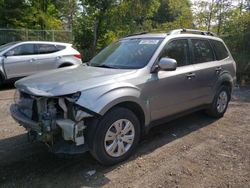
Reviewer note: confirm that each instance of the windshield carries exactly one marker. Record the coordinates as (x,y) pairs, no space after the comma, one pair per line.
(6,46)
(127,54)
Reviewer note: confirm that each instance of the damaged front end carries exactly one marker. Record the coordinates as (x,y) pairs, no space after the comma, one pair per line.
(56,121)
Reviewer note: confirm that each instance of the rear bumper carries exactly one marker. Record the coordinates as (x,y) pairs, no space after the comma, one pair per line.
(23,120)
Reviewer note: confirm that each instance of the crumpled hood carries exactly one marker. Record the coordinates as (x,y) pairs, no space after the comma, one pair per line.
(69,80)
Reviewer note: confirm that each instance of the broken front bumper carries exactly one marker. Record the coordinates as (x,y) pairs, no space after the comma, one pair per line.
(23,120)
(59,147)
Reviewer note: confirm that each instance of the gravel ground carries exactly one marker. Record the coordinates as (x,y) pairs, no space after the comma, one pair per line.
(193,151)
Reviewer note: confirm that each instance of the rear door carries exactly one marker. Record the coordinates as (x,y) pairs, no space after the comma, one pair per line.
(222,56)
(48,57)
(206,68)
(21,62)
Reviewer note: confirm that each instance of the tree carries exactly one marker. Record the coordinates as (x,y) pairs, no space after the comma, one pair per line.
(43,14)
(11,13)
(95,11)
(68,10)
(102,22)
(205,14)
(173,14)
(32,14)
(105,21)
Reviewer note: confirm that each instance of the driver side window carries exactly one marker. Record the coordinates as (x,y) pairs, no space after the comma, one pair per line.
(178,50)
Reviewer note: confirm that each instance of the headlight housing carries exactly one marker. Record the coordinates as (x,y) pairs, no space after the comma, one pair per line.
(74,97)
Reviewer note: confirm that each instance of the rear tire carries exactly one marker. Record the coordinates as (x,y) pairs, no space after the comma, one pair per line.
(220,102)
(116,136)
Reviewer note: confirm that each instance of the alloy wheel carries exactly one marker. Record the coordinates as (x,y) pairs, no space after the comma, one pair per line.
(119,138)
(222,101)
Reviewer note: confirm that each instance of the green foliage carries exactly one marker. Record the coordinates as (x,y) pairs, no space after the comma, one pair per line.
(11,12)
(103,22)
(177,15)
(34,14)
(239,45)
(232,22)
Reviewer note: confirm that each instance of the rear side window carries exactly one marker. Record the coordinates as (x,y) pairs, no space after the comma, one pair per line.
(47,48)
(220,49)
(202,51)
(24,49)
(178,50)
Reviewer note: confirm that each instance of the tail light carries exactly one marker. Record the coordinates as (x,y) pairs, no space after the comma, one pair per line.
(77,56)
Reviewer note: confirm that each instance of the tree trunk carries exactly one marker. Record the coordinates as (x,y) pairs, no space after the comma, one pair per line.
(210,16)
(219,17)
(241,6)
(96,27)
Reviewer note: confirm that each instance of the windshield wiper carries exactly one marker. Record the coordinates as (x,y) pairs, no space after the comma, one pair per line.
(105,66)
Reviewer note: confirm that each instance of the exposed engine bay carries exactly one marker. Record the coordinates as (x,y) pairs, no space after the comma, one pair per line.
(51,120)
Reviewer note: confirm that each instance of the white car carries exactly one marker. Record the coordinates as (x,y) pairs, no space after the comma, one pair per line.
(20,59)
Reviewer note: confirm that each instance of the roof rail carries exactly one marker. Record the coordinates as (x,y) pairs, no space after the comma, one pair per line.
(134,34)
(192,31)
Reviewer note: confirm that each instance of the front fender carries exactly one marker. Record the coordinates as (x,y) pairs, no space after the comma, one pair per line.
(101,99)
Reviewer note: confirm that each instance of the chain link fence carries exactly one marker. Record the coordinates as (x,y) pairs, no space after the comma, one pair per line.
(10,35)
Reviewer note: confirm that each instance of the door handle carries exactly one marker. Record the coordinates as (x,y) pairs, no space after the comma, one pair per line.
(218,69)
(191,75)
(58,57)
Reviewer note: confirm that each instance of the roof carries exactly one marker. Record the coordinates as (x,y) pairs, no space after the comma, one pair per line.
(147,35)
(44,42)
(176,33)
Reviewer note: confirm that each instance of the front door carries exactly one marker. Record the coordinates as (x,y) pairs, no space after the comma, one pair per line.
(20,61)
(173,91)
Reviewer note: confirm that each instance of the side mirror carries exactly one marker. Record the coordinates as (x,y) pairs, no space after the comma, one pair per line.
(167,64)
(9,53)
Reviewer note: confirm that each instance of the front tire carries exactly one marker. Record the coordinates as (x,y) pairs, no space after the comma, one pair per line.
(116,136)
(1,81)
(220,102)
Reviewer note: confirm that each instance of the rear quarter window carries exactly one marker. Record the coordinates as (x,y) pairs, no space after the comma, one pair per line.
(219,49)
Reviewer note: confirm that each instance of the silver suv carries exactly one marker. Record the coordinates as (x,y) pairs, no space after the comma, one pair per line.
(20,59)
(130,86)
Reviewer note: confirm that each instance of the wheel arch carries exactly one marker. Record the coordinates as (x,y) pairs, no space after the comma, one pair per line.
(224,80)
(121,94)
(136,109)
(65,64)
(228,84)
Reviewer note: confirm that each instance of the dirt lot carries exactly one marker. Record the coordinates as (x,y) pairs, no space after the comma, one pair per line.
(194,151)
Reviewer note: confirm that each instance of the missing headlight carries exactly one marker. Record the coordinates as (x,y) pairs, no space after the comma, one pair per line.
(74,97)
